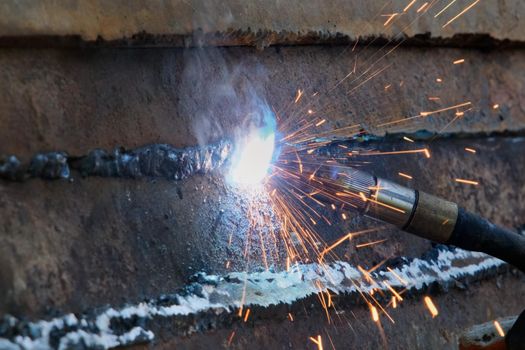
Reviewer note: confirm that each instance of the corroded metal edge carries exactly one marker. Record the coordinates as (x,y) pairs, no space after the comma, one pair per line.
(219,296)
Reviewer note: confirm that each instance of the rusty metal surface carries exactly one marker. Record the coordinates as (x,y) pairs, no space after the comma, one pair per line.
(83,243)
(353,328)
(206,303)
(261,23)
(485,336)
(97,241)
(94,241)
(77,100)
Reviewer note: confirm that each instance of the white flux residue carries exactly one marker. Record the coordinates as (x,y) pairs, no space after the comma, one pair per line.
(262,289)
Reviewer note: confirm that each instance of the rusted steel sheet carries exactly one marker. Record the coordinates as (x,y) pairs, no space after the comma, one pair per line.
(78,100)
(261,23)
(82,243)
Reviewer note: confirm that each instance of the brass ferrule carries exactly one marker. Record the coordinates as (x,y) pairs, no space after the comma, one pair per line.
(392,203)
(434,218)
(416,212)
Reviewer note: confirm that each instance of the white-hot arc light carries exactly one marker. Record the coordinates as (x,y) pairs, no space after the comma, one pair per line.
(253,158)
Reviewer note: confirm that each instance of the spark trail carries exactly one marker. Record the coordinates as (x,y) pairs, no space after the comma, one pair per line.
(300,185)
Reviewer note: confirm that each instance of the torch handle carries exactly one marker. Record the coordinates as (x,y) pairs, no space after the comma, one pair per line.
(430,217)
(472,232)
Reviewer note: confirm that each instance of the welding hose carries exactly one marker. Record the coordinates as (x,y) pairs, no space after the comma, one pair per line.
(430,217)
(475,233)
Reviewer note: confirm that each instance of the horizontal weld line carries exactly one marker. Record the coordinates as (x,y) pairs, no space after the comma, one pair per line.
(156,160)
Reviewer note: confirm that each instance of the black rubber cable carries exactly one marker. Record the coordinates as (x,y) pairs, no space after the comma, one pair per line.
(515,339)
(472,232)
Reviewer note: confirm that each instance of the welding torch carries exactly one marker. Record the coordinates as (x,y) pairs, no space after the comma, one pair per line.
(428,216)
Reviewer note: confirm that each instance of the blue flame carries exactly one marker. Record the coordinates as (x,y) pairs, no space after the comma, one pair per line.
(255,150)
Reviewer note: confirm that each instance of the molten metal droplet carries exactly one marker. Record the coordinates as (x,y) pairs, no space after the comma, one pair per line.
(253,156)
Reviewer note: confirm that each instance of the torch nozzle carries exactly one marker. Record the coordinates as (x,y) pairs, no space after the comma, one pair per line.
(428,216)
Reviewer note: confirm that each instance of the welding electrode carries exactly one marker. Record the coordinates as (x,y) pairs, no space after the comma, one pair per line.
(429,217)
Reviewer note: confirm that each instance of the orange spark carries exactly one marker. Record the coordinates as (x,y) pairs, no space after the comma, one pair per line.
(433,98)
(461,13)
(422,7)
(330,302)
(243,298)
(459,61)
(471,150)
(421,150)
(396,294)
(439,80)
(342,239)
(397,276)
(343,215)
(368,244)
(230,339)
(394,302)
(290,317)
(407,139)
(247,315)
(378,265)
(499,329)
(431,307)
(362,195)
(390,18)
(468,182)
(318,341)
(355,44)
(299,94)
(405,175)
(409,6)
(375,314)
(387,206)
(424,114)
(321,122)
(445,8)
(496,106)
